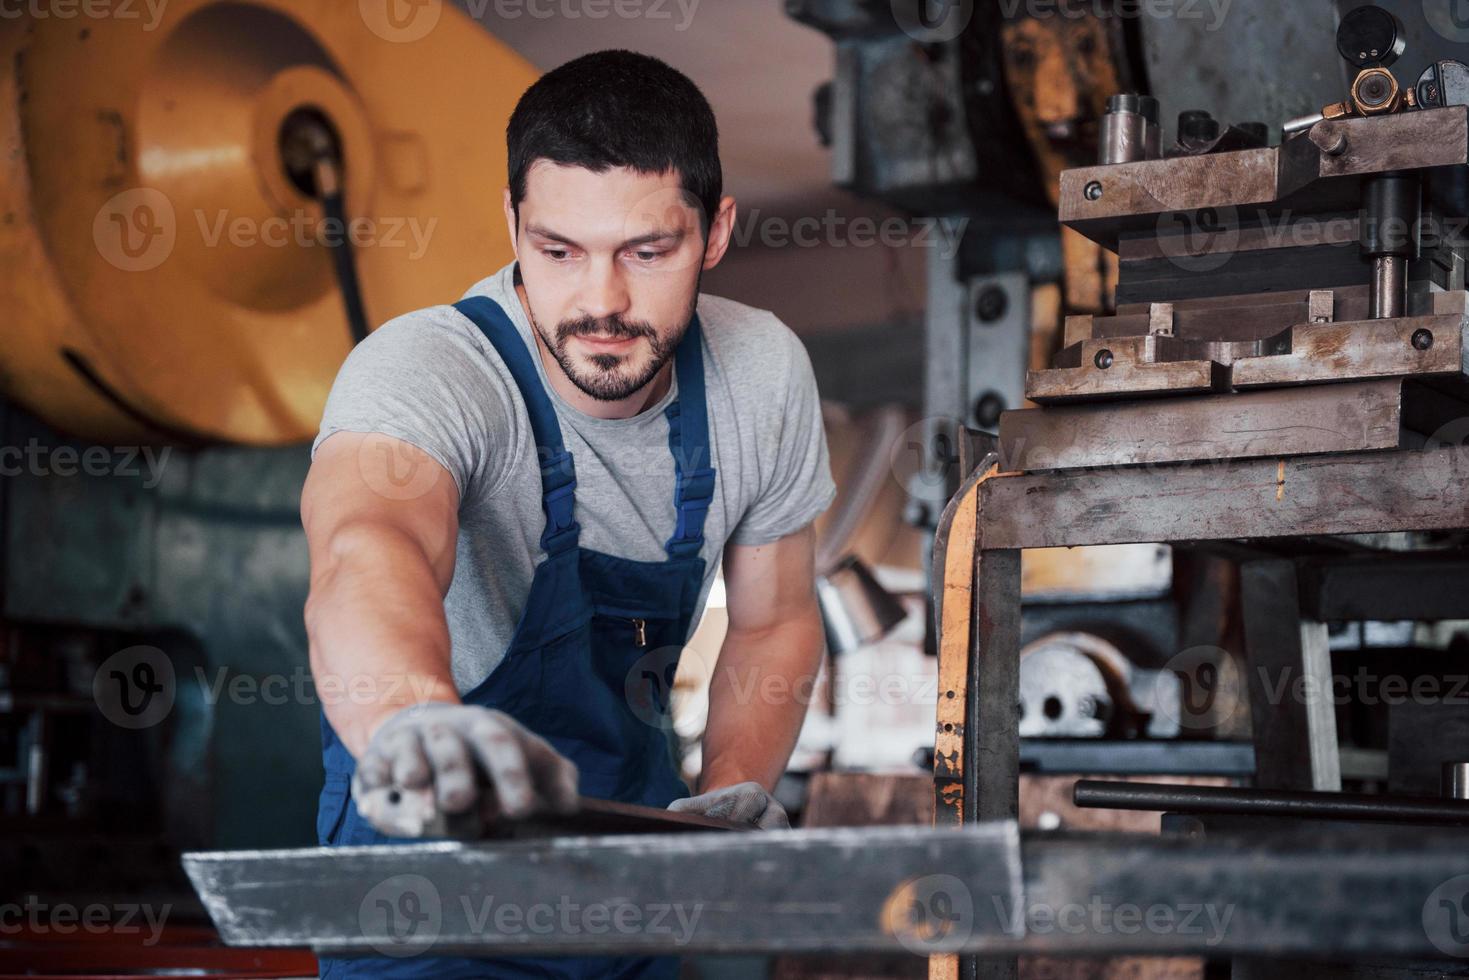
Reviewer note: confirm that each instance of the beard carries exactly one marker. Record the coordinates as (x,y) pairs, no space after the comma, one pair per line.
(613,377)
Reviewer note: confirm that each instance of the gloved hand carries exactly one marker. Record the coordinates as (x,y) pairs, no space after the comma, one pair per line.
(740,803)
(440,769)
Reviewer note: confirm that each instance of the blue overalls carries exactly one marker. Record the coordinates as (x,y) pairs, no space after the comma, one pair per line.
(568,674)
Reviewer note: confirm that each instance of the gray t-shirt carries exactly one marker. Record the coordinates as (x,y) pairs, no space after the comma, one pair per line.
(430,378)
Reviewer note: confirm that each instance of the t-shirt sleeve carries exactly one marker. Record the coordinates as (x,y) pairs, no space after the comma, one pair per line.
(422,379)
(799,486)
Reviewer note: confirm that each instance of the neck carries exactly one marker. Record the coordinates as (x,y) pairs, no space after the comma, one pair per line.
(624,408)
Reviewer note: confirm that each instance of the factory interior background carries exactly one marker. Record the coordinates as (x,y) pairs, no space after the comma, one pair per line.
(1148,445)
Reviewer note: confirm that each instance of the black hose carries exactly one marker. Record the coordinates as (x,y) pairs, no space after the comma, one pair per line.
(330,190)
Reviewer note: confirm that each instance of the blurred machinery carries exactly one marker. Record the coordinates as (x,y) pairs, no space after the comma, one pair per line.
(166,590)
(200,213)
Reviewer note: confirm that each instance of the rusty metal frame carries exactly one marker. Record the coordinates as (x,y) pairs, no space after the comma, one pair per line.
(997,514)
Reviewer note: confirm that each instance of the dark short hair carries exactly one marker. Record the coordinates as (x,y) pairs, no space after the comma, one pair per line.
(617,109)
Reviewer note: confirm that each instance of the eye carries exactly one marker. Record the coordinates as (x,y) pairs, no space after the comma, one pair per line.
(647,255)
(555,254)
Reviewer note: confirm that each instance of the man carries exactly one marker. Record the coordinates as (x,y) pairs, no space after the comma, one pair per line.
(517,503)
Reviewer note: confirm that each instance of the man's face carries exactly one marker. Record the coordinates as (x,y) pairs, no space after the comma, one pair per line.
(611,265)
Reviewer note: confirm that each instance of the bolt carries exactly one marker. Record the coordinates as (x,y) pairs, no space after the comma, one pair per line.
(1422,339)
(1103,359)
(987,410)
(1093,191)
(991,304)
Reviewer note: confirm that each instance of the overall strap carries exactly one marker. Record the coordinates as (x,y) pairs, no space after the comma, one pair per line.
(558,473)
(688,440)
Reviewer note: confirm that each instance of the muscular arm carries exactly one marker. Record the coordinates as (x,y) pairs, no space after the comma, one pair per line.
(774,646)
(381,519)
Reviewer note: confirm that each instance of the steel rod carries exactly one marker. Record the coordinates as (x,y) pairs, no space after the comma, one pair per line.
(1273,803)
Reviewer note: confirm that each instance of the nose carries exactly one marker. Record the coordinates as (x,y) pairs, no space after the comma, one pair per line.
(603,292)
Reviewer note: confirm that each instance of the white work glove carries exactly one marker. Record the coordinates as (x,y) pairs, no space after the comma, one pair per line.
(740,803)
(440,769)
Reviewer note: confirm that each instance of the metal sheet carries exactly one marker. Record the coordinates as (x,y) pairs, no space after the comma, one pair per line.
(904,888)
(1319,419)
(1347,494)
(913,889)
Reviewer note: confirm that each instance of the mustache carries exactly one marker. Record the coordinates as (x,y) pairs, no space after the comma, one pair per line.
(614,327)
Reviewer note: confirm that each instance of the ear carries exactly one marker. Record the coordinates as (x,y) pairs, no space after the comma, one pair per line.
(720,230)
(510,223)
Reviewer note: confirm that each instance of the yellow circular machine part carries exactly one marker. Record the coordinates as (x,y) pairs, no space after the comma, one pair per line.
(165,275)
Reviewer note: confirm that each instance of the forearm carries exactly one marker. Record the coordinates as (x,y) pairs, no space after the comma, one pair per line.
(376,628)
(758,696)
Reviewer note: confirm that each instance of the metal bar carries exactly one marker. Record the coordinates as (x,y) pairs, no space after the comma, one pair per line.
(610,817)
(992,729)
(1318,419)
(1291,709)
(895,889)
(1389,286)
(1386,586)
(1272,498)
(913,889)
(992,725)
(1270,803)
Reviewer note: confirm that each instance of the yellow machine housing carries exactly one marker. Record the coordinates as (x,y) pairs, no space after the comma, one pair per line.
(165,278)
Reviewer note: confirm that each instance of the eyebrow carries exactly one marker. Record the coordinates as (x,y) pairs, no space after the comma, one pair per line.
(653,236)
